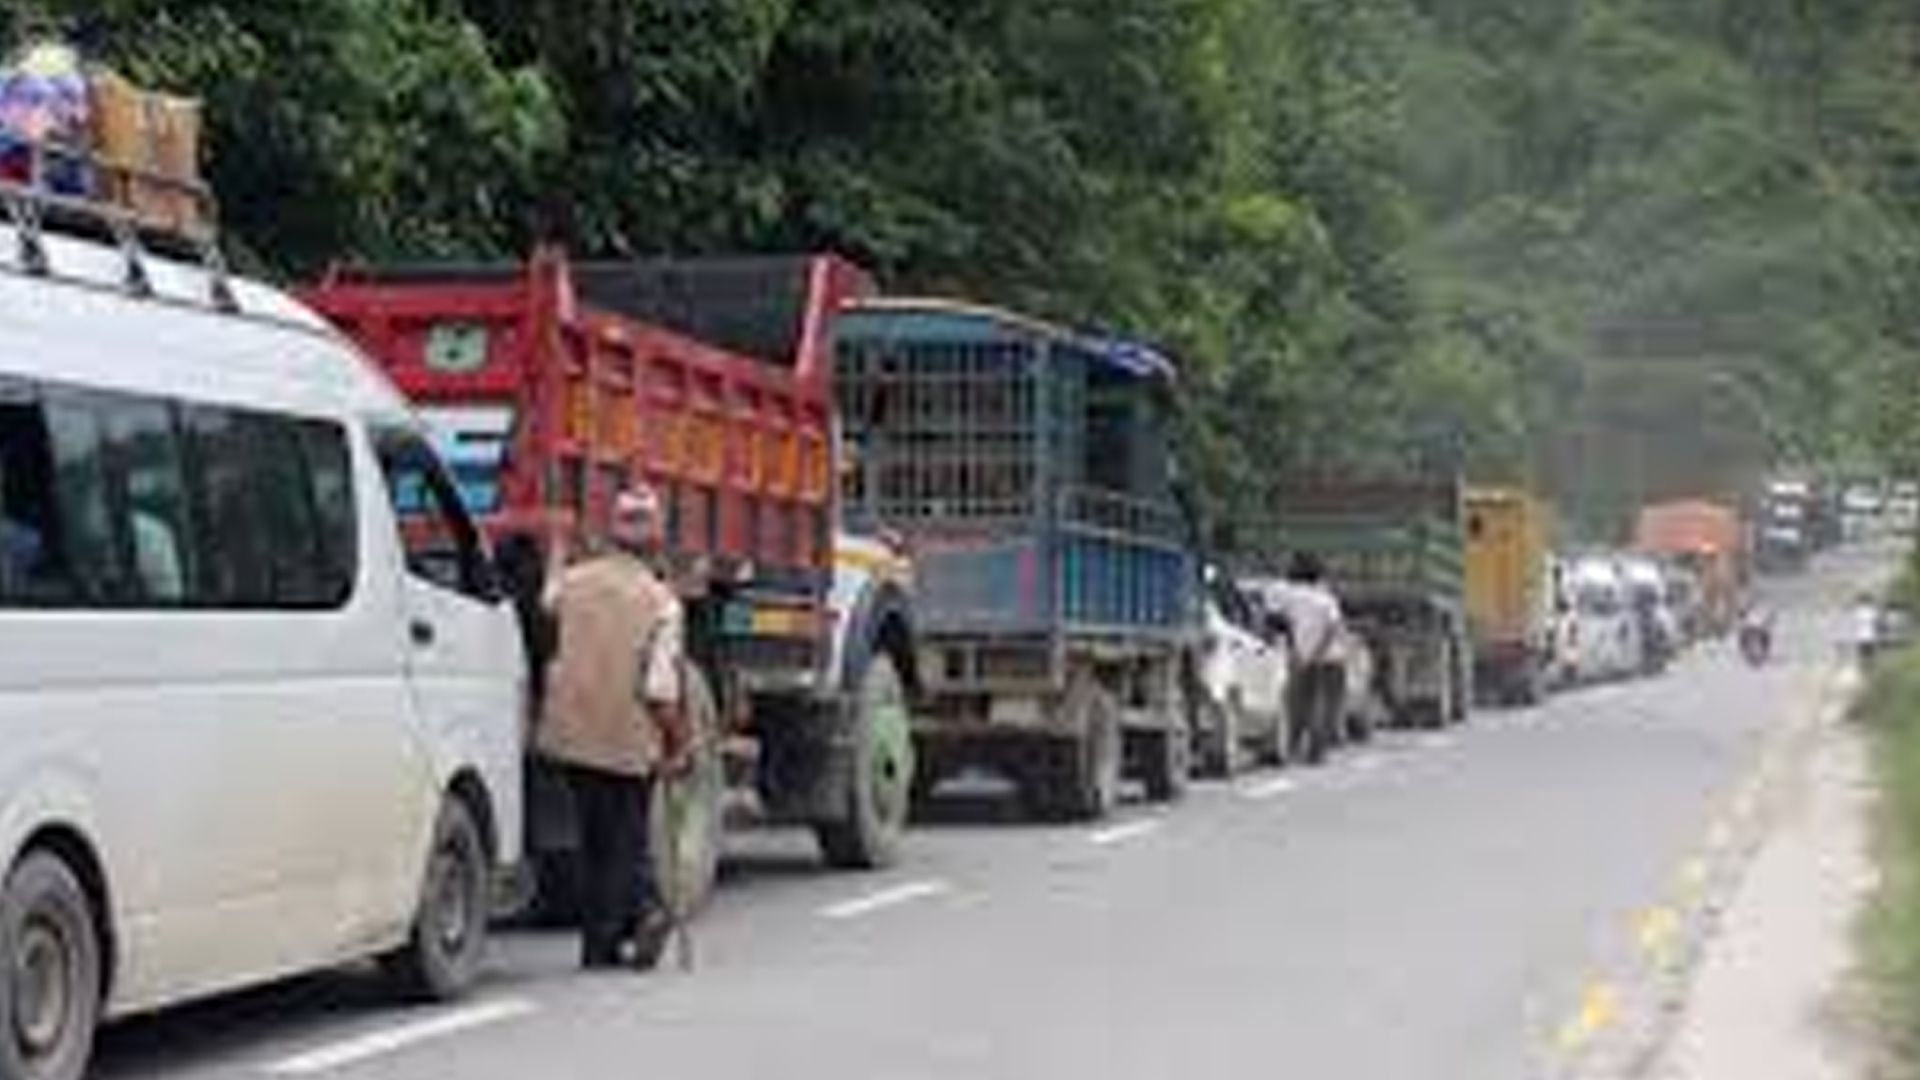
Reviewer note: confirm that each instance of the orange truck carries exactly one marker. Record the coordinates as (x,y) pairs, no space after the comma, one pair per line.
(1704,537)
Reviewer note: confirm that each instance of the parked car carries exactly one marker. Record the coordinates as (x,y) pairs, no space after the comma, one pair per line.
(1659,627)
(1603,637)
(1240,703)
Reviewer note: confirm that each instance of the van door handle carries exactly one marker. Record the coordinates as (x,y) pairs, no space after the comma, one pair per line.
(421,631)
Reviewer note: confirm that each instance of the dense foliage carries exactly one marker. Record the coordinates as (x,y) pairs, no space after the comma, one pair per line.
(1617,247)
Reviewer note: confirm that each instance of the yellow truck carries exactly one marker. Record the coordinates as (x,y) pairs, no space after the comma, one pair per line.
(1510,606)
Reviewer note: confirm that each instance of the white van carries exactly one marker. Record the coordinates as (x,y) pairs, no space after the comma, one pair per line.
(261,706)
(1605,635)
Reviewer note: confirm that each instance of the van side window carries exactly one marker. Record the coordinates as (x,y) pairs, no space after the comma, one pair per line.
(29,545)
(90,543)
(153,484)
(329,468)
(441,543)
(265,538)
(235,542)
(123,501)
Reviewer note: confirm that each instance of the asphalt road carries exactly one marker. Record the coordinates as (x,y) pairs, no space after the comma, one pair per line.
(1427,907)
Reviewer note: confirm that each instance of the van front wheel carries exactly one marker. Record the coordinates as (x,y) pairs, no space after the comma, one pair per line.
(441,959)
(50,990)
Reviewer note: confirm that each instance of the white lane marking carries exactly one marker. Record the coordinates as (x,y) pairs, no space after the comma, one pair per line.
(1435,742)
(1273,788)
(374,1044)
(1120,834)
(1368,762)
(885,898)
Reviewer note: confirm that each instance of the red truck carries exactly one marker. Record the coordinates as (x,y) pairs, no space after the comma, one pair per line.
(549,385)
(1706,538)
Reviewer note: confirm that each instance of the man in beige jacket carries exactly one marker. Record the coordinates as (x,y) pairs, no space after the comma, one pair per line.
(613,719)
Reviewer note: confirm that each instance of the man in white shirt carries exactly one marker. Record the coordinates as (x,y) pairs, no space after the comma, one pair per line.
(1317,690)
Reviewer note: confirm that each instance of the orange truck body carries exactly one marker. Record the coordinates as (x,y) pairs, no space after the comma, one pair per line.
(1704,536)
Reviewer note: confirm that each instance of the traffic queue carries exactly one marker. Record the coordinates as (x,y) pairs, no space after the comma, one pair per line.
(341,621)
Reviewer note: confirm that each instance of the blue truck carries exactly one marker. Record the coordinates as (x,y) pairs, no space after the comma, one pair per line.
(1029,470)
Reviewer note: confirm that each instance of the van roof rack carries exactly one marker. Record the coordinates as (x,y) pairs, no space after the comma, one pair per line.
(35,207)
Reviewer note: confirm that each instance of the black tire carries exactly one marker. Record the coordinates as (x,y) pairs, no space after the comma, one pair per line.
(52,947)
(1219,743)
(1460,697)
(1079,777)
(1169,763)
(881,788)
(688,821)
(1274,748)
(442,957)
(1530,684)
(1358,722)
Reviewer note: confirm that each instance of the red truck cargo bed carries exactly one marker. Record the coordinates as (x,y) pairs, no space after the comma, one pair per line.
(550,384)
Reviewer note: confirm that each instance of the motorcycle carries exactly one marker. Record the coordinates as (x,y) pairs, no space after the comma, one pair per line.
(1756,642)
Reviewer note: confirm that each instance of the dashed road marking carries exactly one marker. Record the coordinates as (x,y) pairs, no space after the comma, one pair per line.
(1657,930)
(893,897)
(1693,877)
(1599,1004)
(1272,788)
(1433,741)
(1121,834)
(373,1044)
(1368,762)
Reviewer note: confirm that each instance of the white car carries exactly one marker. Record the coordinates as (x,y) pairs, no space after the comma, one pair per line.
(1654,616)
(1242,703)
(1601,635)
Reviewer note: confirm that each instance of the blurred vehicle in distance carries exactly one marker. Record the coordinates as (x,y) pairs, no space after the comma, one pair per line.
(1510,608)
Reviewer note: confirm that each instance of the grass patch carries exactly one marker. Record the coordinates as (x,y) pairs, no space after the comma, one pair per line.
(1889,708)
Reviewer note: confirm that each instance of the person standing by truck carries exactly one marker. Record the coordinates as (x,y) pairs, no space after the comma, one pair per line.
(1318,687)
(614,719)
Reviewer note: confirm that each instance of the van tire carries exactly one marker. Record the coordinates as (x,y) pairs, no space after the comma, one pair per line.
(880,788)
(443,954)
(46,919)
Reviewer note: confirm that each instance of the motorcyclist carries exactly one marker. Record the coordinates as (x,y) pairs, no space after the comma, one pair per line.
(1756,631)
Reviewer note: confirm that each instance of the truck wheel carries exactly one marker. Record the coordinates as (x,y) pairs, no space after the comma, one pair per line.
(1169,763)
(1530,684)
(1220,748)
(50,991)
(880,795)
(441,959)
(1079,777)
(689,812)
(1456,700)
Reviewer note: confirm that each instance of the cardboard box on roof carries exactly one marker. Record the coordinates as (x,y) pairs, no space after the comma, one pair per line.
(150,145)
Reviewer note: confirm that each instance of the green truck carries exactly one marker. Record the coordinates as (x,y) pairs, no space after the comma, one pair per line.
(1394,550)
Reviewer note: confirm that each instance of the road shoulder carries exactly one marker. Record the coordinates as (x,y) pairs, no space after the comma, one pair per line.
(1773,995)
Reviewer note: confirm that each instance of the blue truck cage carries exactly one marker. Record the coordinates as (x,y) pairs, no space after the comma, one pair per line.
(1030,468)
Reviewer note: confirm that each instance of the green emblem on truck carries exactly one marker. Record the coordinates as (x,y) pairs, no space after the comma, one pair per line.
(457,348)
